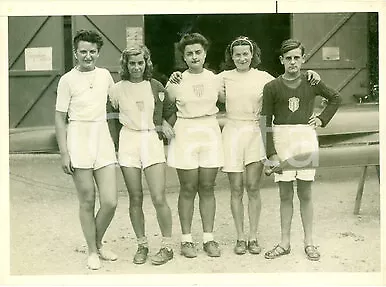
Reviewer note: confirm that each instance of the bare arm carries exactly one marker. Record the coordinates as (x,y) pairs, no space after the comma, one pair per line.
(169,116)
(222,93)
(61,137)
(170,93)
(174,80)
(113,122)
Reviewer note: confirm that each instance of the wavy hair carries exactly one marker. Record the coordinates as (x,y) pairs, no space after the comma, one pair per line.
(190,39)
(90,36)
(242,41)
(134,51)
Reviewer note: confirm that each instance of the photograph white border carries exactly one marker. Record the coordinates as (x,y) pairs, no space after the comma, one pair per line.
(99,7)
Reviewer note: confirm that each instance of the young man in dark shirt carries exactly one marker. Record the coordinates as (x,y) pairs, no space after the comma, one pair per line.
(289,102)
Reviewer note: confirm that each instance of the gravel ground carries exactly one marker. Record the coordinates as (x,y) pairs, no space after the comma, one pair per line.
(46,238)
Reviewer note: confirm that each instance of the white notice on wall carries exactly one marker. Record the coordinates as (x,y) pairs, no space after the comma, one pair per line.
(330,53)
(38,59)
(134,36)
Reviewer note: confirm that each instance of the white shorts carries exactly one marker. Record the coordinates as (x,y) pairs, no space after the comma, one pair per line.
(90,144)
(243,144)
(197,143)
(292,140)
(140,149)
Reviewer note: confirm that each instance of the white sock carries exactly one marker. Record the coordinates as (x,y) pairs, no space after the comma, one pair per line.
(167,242)
(186,238)
(207,237)
(252,237)
(142,241)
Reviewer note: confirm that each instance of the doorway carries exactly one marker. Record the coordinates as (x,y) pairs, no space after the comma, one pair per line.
(268,30)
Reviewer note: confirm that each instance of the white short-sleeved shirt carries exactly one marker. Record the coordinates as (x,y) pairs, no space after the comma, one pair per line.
(83,95)
(196,95)
(244,93)
(136,104)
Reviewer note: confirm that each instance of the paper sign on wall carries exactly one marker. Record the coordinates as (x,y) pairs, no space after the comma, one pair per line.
(134,36)
(330,53)
(38,59)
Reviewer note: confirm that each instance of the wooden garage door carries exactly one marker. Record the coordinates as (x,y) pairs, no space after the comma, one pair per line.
(32,84)
(337,48)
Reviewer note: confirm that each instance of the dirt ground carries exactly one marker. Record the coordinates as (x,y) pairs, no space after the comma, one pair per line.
(46,237)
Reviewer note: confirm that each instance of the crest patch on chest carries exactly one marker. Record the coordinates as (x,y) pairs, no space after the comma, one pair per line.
(140,105)
(161,96)
(198,90)
(293,104)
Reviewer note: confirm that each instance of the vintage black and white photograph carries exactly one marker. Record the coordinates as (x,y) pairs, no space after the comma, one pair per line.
(194,143)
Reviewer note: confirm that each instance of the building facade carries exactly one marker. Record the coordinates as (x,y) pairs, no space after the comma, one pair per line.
(341,47)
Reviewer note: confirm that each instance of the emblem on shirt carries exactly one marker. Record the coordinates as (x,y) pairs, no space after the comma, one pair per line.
(198,90)
(161,96)
(293,104)
(140,105)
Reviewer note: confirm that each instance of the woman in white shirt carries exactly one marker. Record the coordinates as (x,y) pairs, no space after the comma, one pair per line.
(196,150)
(86,148)
(143,104)
(243,145)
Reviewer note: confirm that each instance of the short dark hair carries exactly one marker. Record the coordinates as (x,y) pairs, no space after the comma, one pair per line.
(290,44)
(190,39)
(242,41)
(134,51)
(88,36)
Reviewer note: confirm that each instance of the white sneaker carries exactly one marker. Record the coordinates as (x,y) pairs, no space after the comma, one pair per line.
(106,254)
(93,262)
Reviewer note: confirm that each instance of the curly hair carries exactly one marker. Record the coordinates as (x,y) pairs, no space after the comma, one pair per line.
(190,39)
(290,44)
(90,36)
(242,41)
(134,51)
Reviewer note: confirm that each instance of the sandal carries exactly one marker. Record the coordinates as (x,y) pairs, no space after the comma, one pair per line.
(312,252)
(276,252)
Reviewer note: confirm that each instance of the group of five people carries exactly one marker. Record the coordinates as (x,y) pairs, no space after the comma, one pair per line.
(185,113)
